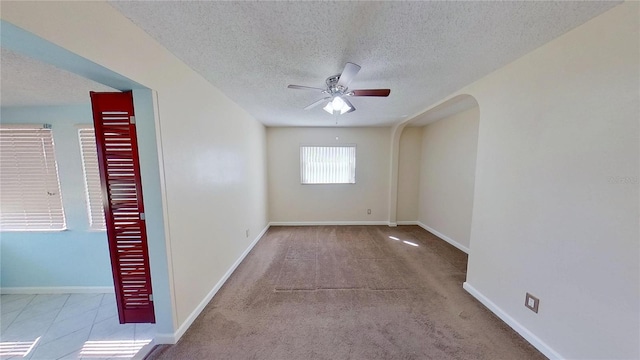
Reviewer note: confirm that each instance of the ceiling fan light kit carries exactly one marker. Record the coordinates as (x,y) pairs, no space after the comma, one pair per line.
(338,91)
(337,106)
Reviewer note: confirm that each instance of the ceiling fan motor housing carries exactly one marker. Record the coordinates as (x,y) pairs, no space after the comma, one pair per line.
(332,86)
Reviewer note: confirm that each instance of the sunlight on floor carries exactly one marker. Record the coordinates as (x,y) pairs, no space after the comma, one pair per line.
(69,326)
(410,243)
(115,348)
(404,241)
(17,348)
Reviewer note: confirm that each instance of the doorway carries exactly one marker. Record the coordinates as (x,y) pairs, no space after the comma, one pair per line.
(40,288)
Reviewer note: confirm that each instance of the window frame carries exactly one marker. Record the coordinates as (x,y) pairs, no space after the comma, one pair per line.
(302,163)
(92,192)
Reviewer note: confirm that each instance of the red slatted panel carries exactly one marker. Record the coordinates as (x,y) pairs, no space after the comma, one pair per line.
(123,207)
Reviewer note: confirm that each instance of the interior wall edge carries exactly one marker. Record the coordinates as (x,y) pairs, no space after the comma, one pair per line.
(168,338)
(165,206)
(396,133)
(154,193)
(515,325)
(443,237)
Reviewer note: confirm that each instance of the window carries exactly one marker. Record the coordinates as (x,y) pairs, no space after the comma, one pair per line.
(30,197)
(328,164)
(92,187)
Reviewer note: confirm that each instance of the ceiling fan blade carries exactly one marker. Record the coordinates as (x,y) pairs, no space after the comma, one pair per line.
(371,92)
(317,103)
(353,108)
(349,72)
(300,87)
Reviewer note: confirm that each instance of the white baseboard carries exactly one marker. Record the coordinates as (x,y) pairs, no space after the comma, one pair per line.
(165,338)
(58,290)
(523,331)
(407,222)
(173,338)
(443,237)
(320,223)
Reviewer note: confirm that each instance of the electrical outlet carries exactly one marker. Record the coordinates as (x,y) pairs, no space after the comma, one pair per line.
(247,233)
(368,211)
(532,303)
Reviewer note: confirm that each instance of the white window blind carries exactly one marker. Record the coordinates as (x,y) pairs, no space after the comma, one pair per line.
(328,164)
(30,197)
(92,187)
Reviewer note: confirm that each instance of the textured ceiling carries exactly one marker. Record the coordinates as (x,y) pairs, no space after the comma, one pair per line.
(29,82)
(422,51)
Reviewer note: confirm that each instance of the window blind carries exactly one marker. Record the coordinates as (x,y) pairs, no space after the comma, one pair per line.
(30,198)
(328,164)
(92,187)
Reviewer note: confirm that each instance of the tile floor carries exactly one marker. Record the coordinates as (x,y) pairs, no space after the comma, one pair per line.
(67,326)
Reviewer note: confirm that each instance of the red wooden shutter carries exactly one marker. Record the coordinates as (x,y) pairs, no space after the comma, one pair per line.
(114,123)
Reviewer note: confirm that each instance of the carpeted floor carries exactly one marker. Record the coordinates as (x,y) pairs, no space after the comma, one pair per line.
(348,292)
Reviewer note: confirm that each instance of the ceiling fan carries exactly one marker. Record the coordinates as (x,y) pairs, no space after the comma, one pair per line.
(337,91)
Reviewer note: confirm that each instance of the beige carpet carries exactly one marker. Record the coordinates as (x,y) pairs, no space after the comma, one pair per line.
(348,292)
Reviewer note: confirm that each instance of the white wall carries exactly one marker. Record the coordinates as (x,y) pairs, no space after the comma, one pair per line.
(556,199)
(447,176)
(409,160)
(212,152)
(291,202)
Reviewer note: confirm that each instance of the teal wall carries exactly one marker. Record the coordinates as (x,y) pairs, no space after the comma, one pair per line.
(76,256)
